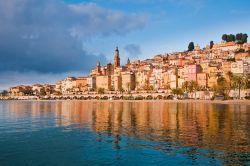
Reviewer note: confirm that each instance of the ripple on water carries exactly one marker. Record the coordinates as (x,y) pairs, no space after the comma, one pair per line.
(123,133)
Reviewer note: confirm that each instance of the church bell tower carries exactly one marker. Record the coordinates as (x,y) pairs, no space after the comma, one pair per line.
(116,58)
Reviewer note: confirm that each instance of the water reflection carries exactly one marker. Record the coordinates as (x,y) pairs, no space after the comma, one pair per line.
(217,132)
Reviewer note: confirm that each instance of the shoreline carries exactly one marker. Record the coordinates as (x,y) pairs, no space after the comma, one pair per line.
(245,102)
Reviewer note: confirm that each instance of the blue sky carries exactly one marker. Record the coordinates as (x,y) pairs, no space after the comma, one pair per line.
(172,24)
(44,41)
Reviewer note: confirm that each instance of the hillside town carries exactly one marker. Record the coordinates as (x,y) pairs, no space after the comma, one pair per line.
(218,70)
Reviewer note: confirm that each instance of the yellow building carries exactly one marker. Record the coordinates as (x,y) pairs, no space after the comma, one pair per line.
(202,80)
(103,82)
(80,84)
(128,81)
(141,79)
(117,82)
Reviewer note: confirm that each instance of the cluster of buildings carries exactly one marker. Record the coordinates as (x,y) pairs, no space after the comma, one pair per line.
(162,72)
(37,89)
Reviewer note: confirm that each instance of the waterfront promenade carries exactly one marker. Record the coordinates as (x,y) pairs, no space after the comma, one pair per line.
(134,98)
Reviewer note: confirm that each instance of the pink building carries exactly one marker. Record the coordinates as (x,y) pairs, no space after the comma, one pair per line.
(192,71)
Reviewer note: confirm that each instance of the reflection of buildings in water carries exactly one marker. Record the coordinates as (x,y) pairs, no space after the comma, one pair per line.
(101,117)
(73,112)
(126,117)
(224,127)
(28,111)
(65,113)
(117,110)
(191,124)
(140,119)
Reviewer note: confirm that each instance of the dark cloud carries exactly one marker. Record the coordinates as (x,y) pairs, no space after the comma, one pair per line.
(46,36)
(133,50)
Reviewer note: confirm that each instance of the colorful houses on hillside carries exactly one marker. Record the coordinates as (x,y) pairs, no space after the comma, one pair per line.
(161,73)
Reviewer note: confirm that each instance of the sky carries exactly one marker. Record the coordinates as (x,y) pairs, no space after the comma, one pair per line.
(46,41)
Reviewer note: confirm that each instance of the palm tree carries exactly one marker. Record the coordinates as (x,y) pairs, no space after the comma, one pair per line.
(176,76)
(166,86)
(177,91)
(128,87)
(221,83)
(223,86)
(146,85)
(230,76)
(193,86)
(240,82)
(185,86)
(121,91)
(100,90)
(174,91)
(190,88)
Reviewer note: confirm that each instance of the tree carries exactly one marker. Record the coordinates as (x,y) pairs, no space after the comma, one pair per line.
(191,46)
(100,90)
(4,93)
(224,37)
(240,82)
(244,38)
(196,87)
(230,38)
(193,87)
(151,88)
(223,87)
(221,81)
(241,38)
(238,36)
(121,90)
(42,92)
(211,44)
(177,91)
(28,91)
(166,86)
(185,86)
(248,81)
(48,91)
(146,85)
(230,77)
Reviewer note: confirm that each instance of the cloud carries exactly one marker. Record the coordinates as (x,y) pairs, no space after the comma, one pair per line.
(133,50)
(106,21)
(46,36)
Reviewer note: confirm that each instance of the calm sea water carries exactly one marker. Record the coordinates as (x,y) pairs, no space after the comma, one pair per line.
(123,133)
